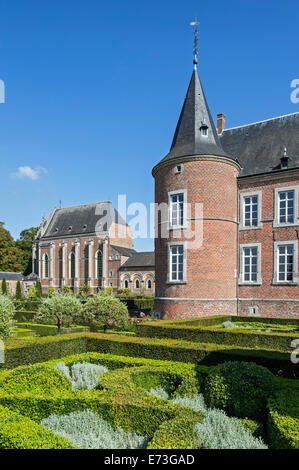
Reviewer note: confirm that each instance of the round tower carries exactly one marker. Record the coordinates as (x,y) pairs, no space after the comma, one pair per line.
(196,217)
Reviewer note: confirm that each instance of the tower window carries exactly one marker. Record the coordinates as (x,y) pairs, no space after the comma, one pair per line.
(178,169)
(177,213)
(204,131)
(176,262)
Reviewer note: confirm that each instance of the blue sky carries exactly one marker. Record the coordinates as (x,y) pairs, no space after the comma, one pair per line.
(94,90)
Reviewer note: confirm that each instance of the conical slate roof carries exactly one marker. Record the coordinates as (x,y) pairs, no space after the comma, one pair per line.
(189,138)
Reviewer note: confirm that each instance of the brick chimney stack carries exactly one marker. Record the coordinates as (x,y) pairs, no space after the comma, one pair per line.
(220,123)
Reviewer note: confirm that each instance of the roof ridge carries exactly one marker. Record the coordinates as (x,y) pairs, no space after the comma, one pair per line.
(84,205)
(260,122)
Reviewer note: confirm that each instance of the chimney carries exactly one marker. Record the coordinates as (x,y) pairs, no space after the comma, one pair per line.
(220,123)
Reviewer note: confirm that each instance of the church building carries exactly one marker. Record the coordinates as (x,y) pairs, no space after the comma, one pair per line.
(90,245)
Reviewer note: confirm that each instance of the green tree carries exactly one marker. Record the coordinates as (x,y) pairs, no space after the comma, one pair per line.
(11,257)
(7,322)
(19,293)
(38,287)
(24,243)
(104,311)
(4,287)
(62,309)
(84,290)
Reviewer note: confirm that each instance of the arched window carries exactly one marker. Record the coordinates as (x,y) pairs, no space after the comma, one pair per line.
(86,263)
(126,284)
(137,284)
(99,265)
(46,265)
(60,263)
(149,284)
(73,265)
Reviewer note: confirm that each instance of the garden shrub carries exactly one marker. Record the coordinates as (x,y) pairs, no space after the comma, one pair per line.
(218,431)
(240,388)
(19,432)
(43,349)
(62,309)
(211,333)
(105,311)
(283,417)
(86,430)
(82,375)
(7,322)
(176,433)
(36,378)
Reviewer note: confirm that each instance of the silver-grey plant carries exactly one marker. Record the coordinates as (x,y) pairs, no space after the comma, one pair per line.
(83,375)
(87,430)
(218,431)
(159,392)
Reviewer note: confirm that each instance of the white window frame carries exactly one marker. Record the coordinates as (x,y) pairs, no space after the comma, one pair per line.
(169,270)
(259,195)
(276,222)
(177,193)
(276,280)
(258,282)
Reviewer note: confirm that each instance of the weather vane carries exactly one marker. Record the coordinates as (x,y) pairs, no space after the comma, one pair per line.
(195,41)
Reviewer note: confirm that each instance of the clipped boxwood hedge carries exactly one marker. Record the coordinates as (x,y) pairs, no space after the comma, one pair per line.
(31,350)
(19,432)
(52,330)
(120,401)
(207,334)
(123,401)
(283,416)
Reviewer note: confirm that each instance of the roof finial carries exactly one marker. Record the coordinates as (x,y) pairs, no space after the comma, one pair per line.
(195,41)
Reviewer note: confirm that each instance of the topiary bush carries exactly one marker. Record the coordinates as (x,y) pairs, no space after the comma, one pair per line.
(240,388)
(62,309)
(105,311)
(7,322)
(35,378)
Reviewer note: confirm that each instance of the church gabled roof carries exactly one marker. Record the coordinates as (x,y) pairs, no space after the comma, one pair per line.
(189,138)
(79,220)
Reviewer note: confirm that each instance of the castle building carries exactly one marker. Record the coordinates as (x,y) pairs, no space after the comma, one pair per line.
(236,192)
(90,245)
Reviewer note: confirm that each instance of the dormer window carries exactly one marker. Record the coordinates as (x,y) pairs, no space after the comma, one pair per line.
(70,228)
(84,227)
(56,230)
(204,130)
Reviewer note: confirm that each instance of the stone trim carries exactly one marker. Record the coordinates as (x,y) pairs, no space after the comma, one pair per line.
(194,158)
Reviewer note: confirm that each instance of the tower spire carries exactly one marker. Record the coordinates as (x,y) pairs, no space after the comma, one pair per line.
(195,42)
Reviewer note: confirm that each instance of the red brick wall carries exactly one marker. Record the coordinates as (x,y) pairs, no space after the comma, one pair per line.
(266,236)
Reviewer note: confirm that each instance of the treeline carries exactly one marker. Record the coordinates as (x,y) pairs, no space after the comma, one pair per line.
(16,255)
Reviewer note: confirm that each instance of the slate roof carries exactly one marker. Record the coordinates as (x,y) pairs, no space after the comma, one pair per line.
(195,113)
(78,220)
(259,146)
(11,276)
(123,250)
(140,259)
(32,277)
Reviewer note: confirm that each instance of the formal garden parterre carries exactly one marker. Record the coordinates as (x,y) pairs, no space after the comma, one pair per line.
(98,379)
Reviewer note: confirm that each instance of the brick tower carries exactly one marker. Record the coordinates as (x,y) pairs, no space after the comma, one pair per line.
(198,182)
